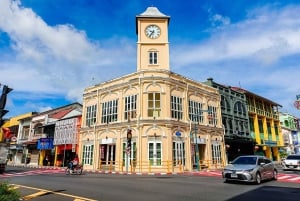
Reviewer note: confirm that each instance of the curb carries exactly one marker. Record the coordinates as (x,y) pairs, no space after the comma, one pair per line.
(37,167)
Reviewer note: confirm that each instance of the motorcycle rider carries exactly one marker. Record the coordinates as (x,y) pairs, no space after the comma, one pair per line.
(74,162)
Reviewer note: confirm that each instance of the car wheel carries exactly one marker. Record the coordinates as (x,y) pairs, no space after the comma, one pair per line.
(275,175)
(258,178)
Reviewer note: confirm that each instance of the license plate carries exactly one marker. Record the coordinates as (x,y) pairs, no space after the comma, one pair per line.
(291,166)
(234,176)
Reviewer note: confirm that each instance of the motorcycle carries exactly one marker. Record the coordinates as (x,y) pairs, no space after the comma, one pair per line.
(76,170)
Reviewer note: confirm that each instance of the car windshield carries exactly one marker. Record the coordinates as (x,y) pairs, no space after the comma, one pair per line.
(245,161)
(293,157)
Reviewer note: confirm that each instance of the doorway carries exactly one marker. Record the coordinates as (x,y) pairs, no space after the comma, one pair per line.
(107,154)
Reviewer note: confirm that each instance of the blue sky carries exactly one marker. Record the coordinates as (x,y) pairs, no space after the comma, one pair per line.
(51,50)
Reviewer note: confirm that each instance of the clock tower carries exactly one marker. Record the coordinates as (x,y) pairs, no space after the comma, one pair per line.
(152,44)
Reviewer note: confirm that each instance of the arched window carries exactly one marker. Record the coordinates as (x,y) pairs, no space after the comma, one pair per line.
(240,108)
(38,128)
(286,123)
(225,106)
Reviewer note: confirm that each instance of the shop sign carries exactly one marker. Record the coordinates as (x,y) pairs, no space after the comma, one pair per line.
(45,143)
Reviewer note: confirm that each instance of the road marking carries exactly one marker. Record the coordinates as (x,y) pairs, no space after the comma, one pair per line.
(79,200)
(34,195)
(13,187)
(284,177)
(32,172)
(294,179)
(43,191)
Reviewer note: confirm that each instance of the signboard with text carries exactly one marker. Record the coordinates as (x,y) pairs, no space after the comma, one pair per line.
(45,143)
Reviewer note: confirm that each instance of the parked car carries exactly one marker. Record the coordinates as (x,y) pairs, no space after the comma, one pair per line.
(292,162)
(251,168)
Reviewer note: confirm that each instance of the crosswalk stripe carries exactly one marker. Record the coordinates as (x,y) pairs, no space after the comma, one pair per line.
(284,177)
(31,172)
(294,179)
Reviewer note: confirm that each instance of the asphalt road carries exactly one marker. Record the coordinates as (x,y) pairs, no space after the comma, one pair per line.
(108,187)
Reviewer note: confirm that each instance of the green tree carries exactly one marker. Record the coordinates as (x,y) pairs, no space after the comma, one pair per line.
(7,193)
(283,154)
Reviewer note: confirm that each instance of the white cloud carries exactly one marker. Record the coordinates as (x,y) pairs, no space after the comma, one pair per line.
(60,59)
(55,62)
(251,52)
(266,36)
(35,40)
(218,20)
(55,59)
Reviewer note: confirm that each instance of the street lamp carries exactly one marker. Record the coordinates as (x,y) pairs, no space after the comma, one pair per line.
(196,150)
(128,149)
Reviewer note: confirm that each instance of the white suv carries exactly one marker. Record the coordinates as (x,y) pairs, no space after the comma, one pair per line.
(292,162)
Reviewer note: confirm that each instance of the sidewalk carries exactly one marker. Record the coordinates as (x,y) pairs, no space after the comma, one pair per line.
(195,172)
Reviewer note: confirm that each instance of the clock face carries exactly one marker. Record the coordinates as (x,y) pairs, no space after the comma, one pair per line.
(152,31)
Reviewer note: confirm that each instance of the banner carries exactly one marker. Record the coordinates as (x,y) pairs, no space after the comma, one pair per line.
(45,143)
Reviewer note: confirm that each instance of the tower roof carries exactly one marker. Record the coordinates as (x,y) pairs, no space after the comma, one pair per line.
(152,12)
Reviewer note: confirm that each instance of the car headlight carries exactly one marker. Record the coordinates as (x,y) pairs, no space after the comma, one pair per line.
(249,170)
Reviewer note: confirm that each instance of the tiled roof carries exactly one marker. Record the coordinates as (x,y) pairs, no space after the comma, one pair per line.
(60,114)
(255,95)
(152,12)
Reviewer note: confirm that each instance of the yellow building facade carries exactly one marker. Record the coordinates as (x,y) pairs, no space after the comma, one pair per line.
(264,125)
(14,146)
(175,122)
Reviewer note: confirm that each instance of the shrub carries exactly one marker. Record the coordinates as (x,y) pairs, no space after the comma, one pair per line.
(7,193)
(283,154)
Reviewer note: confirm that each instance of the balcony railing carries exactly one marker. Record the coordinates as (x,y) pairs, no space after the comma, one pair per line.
(261,112)
(37,136)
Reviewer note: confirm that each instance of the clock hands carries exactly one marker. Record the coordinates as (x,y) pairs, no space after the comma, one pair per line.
(152,32)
